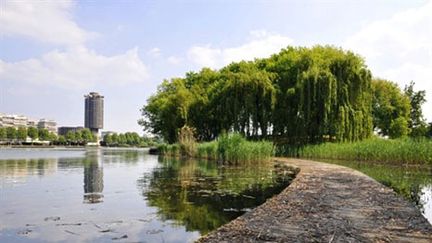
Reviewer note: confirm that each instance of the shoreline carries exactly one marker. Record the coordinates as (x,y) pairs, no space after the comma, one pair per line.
(327,202)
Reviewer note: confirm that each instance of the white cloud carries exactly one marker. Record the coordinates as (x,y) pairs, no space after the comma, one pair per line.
(174,60)
(46,21)
(155,52)
(400,49)
(76,68)
(261,44)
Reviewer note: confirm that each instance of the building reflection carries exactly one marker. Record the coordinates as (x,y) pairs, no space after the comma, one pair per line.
(16,171)
(93,177)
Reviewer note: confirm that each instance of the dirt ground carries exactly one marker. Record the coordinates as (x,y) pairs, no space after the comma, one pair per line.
(328,203)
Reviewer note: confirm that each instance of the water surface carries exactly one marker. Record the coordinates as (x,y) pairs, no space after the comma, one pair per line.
(100,195)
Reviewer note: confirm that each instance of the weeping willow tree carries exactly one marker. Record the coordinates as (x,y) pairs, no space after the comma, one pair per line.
(298,96)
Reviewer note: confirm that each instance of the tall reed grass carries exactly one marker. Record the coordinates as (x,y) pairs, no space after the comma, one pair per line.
(227,148)
(408,151)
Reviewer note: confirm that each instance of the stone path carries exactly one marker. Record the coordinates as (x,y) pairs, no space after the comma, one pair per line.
(328,203)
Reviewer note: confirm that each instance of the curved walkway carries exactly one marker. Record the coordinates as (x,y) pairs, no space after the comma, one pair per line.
(328,203)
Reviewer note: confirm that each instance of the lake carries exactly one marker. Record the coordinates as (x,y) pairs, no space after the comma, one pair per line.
(99,195)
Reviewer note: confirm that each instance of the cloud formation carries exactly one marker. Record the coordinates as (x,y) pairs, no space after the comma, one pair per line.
(45,21)
(400,48)
(76,68)
(261,44)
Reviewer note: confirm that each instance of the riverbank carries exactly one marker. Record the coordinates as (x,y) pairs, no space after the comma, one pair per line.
(328,203)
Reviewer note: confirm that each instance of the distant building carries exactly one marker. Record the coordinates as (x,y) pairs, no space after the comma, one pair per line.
(63,130)
(93,112)
(8,120)
(32,122)
(50,125)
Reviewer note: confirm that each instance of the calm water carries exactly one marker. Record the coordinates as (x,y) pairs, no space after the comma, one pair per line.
(413,183)
(123,195)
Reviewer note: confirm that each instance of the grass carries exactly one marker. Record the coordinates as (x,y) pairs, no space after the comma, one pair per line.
(228,148)
(403,151)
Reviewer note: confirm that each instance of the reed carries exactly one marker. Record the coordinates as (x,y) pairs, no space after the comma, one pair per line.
(404,151)
(228,148)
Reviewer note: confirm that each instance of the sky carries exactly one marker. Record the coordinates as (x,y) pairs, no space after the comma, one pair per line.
(54,52)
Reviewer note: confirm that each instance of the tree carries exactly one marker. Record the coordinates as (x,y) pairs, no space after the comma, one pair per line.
(70,137)
(32,132)
(122,139)
(61,140)
(416,123)
(398,128)
(86,135)
(389,104)
(108,139)
(52,137)
(78,136)
(300,95)
(11,133)
(43,134)
(22,133)
(115,139)
(3,134)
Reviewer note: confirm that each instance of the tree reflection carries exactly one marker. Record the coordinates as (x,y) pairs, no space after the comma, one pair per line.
(202,196)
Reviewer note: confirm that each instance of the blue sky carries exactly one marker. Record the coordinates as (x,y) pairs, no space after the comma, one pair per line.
(53,52)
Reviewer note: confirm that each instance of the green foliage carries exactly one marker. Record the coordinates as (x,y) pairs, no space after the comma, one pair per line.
(410,151)
(11,133)
(21,133)
(228,148)
(208,150)
(61,140)
(234,148)
(3,134)
(390,108)
(87,135)
(398,128)
(43,134)
(33,133)
(416,123)
(300,95)
(70,136)
(125,140)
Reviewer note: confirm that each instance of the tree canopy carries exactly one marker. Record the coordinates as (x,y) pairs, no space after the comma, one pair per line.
(300,95)
(390,109)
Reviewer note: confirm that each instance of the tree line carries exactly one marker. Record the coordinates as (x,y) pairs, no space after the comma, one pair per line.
(126,139)
(21,134)
(297,96)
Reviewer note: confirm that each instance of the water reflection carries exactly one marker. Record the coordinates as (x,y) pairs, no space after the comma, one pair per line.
(93,178)
(202,195)
(92,195)
(16,171)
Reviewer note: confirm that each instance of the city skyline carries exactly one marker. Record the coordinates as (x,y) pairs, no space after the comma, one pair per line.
(53,52)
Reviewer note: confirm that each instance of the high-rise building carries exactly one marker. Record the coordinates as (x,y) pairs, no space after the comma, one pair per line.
(93,112)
